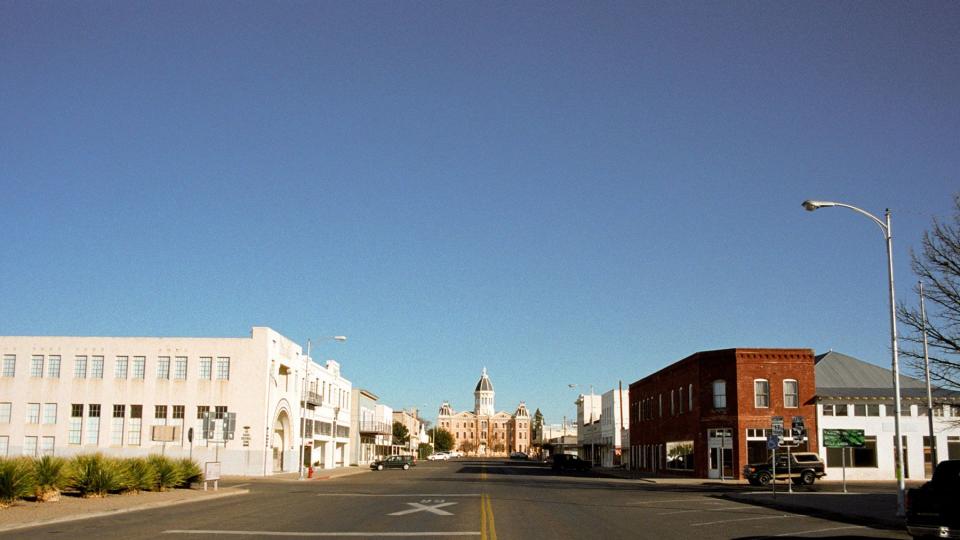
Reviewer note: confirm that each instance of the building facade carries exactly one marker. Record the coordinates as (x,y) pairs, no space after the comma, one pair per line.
(372,428)
(484,431)
(853,394)
(132,396)
(710,414)
(411,421)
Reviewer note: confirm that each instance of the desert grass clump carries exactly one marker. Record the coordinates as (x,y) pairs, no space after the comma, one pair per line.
(16,480)
(50,476)
(169,474)
(190,471)
(94,475)
(139,475)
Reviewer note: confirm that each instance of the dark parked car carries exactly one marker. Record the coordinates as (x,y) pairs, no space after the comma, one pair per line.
(932,507)
(805,468)
(394,462)
(566,462)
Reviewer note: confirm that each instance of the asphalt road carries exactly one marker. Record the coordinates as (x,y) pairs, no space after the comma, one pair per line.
(460,499)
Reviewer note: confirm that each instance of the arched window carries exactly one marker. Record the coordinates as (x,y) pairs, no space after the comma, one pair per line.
(720,394)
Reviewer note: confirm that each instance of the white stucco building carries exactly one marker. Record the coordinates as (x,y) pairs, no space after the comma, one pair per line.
(132,396)
(372,429)
(853,394)
(602,422)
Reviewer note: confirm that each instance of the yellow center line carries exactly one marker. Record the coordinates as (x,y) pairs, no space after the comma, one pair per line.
(487,529)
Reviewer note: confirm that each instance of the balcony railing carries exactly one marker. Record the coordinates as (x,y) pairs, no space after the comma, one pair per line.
(382,428)
(313,398)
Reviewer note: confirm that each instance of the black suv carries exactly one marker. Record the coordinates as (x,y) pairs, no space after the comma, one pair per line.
(566,462)
(805,468)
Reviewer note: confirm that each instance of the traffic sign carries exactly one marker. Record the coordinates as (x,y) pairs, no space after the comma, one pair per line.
(843,438)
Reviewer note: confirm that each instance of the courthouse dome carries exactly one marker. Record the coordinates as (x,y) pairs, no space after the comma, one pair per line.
(484,384)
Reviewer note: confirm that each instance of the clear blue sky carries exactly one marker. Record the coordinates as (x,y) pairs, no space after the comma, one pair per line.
(561,192)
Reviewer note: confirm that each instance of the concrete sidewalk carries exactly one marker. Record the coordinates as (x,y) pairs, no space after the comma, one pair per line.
(872,509)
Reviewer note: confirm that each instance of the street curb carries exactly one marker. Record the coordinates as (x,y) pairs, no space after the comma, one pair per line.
(147,506)
(875,522)
(335,476)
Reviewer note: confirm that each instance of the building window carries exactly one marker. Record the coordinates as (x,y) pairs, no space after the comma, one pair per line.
(36,366)
(681,402)
(5,409)
(219,412)
(690,397)
(139,367)
(761,393)
(223,368)
(96,367)
(80,367)
(33,413)
(9,365)
(206,367)
(672,410)
(791,394)
(180,368)
(720,394)
(47,445)
(680,455)
(160,411)
(53,367)
(4,445)
(93,423)
(116,432)
(133,426)
(835,409)
(866,409)
(120,367)
(76,423)
(178,411)
(30,446)
(163,367)
(49,413)
(202,410)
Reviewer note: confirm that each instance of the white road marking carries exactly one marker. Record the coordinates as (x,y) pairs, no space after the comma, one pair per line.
(689,499)
(405,495)
(240,485)
(325,534)
(739,519)
(724,509)
(417,507)
(822,530)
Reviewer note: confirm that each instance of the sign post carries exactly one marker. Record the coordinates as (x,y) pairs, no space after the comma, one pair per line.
(776,423)
(843,439)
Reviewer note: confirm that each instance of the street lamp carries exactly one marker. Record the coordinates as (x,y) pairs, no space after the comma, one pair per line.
(303,398)
(810,206)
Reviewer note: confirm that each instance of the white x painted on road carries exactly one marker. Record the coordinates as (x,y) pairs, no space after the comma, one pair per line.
(417,507)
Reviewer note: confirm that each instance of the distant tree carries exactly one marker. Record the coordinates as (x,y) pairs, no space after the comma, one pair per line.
(938,267)
(499,447)
(468,447)
(424,450)
(537,426)
(442,440)
(401,435)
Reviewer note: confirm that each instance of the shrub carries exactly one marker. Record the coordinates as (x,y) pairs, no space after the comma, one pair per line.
(139,474)
(16,480)
(169,475)
(50,476)
(190,471)
(94,475)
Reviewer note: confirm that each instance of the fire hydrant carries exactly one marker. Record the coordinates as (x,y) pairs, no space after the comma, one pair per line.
(309,472)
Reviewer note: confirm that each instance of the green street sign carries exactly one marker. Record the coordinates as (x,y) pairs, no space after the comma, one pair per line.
(843,438)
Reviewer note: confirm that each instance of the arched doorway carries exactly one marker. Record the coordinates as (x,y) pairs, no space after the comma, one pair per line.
(281,439)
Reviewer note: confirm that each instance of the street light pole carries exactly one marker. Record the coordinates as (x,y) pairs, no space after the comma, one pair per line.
(926,367)
(885,227)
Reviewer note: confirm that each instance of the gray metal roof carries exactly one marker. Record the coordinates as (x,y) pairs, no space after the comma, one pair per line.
(839,375)
(484,384)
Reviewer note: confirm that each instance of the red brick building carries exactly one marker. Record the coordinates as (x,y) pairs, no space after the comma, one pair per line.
(712,410)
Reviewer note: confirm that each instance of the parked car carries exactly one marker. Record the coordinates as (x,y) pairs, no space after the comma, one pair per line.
(805,468)
(567,462)
(455,453)
(394,462)
(932,507)
(439,456)
(518,455)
